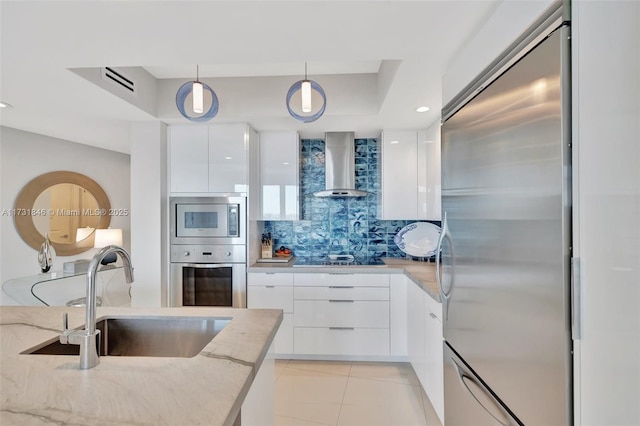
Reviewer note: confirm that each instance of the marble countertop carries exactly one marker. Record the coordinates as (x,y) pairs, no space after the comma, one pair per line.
(206,389)
(422,274)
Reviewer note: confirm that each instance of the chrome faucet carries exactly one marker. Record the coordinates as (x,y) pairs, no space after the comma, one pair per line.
(88,338)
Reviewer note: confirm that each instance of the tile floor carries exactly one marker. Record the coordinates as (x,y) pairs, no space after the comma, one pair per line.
(313,393)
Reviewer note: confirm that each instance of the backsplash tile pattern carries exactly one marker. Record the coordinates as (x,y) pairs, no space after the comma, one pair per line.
(342,225)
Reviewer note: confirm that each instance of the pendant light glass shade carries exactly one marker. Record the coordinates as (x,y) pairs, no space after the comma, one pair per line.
(308,90)
(197,91)
(305,89)
(198,97)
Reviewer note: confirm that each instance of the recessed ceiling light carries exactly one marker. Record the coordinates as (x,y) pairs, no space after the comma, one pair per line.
(227,158)
(394,142)
(4,105)
(422,109)
(285,163)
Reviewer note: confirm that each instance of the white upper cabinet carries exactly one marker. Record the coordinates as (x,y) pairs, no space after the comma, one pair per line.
(429,173)
(189,158)
(410,174)
(399,170)
(228,145)
(279,187)
(209,158)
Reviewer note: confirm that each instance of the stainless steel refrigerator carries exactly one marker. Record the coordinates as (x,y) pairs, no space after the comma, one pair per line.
(504,268)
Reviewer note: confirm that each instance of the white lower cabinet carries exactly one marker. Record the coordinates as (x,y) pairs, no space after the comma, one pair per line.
(274,291)
(335,280)
(398,284)
(416,330)
(425,344)
(356,315)
(433,355)
(270,297)
(258,408)
(341,293)
(346,341)
(341,314)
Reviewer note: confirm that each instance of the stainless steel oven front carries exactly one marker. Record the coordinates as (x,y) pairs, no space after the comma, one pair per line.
(208,275)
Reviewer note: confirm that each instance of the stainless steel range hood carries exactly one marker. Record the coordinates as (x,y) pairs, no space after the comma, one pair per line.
(340,175)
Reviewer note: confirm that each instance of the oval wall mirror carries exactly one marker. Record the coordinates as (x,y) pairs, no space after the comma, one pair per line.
(66,205)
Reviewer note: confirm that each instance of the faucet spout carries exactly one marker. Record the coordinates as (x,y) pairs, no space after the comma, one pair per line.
(90,322)
(88,338)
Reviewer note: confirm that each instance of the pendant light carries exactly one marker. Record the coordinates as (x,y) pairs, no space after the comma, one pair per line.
(198,95)
(196,89)
(306,88)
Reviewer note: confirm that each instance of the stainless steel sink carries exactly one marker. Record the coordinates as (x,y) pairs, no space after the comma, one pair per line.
(144,336)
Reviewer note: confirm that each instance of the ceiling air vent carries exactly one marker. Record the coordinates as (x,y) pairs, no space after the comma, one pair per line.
(119,78)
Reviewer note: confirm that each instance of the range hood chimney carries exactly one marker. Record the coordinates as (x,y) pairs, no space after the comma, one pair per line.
(340,175)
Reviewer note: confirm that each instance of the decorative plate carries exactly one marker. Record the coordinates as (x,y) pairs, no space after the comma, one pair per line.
(419,239)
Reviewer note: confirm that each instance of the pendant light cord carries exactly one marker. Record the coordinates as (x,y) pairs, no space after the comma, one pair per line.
(197,73)
(305,71)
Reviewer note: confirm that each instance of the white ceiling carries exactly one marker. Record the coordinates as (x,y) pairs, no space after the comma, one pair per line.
(264,69)
(377,61)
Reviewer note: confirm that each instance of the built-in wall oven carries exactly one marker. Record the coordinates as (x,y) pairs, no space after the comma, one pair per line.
(208,251)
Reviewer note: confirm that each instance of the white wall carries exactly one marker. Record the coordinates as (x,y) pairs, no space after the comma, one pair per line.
(149,210)
(24,156)
(606,135)
(500,30)
(145,97)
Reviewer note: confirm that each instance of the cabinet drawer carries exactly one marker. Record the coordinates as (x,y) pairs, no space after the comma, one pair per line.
(265,278)
(327,341)
(341,293)
(328,279)
(340,313)
(270,297)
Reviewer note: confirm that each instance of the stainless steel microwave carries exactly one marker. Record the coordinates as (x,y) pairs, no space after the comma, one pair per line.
(208,220)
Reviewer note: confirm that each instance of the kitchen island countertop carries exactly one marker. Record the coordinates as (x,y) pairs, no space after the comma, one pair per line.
(421,273)
(206,389)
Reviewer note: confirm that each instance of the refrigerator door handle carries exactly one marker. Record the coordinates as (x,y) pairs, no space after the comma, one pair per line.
(444,234)
(496,411)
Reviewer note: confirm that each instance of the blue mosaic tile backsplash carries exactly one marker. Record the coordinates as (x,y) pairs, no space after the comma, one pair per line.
(338,225)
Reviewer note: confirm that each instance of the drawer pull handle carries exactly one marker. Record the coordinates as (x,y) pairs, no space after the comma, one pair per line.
(341,328)
(270,286)
(347,301)
(340,286)
(270,273)
(335,273)
(432,315)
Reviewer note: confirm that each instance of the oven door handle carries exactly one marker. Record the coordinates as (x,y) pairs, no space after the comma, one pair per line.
(205,265)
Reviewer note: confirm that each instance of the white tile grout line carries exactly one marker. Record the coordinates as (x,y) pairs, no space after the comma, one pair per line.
(344,394)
